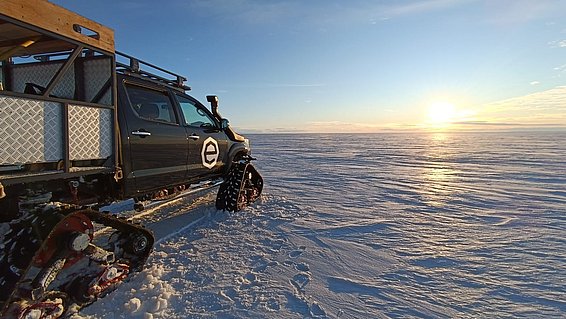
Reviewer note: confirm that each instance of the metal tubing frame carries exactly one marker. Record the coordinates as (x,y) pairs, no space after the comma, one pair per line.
(62,70)
(66,102)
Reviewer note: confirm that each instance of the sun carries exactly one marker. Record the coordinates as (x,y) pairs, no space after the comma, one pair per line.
(441,113)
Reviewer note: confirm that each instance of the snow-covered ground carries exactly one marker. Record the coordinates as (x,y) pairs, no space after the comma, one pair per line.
(368,226)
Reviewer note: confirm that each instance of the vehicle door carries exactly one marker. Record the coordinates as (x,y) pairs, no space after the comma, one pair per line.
(207,142)
(158,141)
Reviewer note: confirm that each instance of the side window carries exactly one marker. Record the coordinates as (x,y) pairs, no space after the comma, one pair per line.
(194,114)
(150,104)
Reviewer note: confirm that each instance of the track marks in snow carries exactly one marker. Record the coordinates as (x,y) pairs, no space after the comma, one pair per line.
(297,252)
(300,300)
(239,265)
(262,267)
(225,265)
(302,267)
(300,280)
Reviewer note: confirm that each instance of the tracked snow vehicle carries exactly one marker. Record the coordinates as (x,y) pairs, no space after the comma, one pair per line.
(81,126)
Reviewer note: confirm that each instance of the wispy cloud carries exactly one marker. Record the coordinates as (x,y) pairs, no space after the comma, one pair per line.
(334,13)
(549,100)
(540,108)
(484,123)
(561,71)
(279,85)
(417,7)
(516,12)
(254,12)
(503,124)
(244,11)
(355,127)
(557,44)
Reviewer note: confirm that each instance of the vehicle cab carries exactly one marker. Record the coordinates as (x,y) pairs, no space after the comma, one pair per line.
(167,136)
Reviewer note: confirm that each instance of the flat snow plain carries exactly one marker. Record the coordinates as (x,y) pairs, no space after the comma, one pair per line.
(368,226)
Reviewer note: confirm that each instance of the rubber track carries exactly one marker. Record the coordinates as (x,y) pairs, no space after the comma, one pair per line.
(228,193)
(118,223)
(235,184)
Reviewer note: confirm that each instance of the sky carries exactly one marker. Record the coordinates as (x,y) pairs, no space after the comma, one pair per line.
(359,65)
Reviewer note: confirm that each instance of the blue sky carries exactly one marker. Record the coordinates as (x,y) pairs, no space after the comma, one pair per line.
(356,66)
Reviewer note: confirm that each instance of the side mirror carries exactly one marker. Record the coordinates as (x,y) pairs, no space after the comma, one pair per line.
(224,123)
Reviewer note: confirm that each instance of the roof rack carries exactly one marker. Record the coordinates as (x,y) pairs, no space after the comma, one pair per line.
(134,69)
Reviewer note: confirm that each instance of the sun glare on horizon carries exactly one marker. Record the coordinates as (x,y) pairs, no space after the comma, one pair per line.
(440,114)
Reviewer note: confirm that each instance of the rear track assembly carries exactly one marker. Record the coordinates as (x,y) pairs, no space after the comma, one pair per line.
(51,259)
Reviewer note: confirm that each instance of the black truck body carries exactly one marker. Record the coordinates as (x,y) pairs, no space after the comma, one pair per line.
(183,144)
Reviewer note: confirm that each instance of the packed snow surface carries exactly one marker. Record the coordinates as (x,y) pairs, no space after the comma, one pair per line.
(432,225)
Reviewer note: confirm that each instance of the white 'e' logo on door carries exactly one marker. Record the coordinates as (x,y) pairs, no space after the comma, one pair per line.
(209,152)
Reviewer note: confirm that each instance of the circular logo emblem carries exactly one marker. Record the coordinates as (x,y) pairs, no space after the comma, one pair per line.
(209,153)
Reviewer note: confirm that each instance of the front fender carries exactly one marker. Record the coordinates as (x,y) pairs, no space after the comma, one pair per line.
(236,151)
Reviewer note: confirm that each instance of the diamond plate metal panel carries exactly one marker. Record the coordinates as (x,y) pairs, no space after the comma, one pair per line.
(90,133)
(41,74)
(97,72)
(65,88)
(33,73)
(106,133)
(53,138)
(106,98)
(31,131)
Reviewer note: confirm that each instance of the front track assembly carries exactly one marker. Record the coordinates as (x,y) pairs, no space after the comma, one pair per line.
(243,186)
(51,259)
